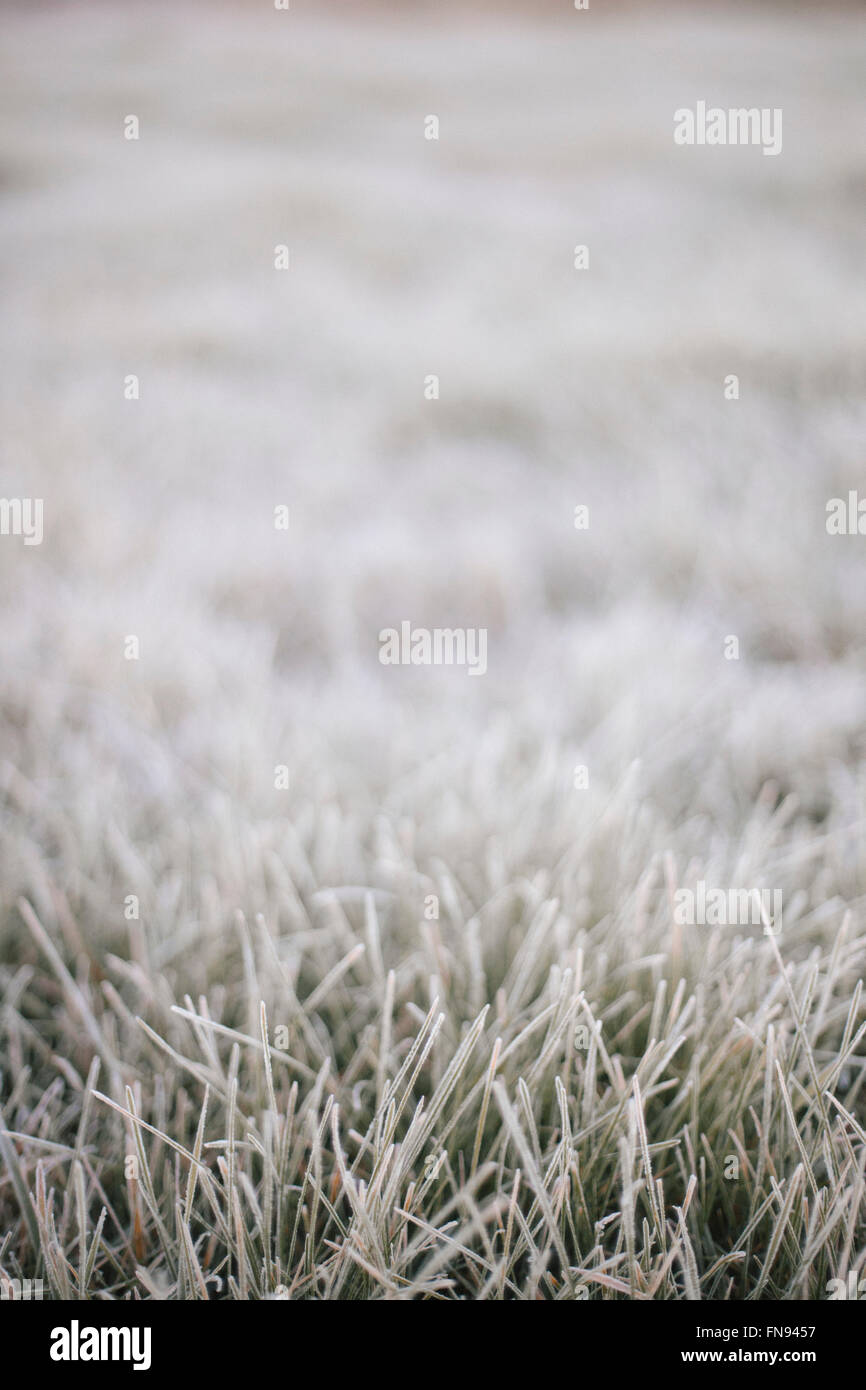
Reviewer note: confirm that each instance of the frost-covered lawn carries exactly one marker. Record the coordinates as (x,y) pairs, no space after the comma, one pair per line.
(358,980)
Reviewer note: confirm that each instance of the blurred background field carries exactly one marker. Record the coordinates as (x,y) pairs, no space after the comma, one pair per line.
(558,387)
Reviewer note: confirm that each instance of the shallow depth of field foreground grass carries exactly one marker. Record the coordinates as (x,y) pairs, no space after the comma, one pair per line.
(704,1144)
(326,979)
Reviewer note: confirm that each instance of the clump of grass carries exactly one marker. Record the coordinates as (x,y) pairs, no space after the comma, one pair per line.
(600,1128)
